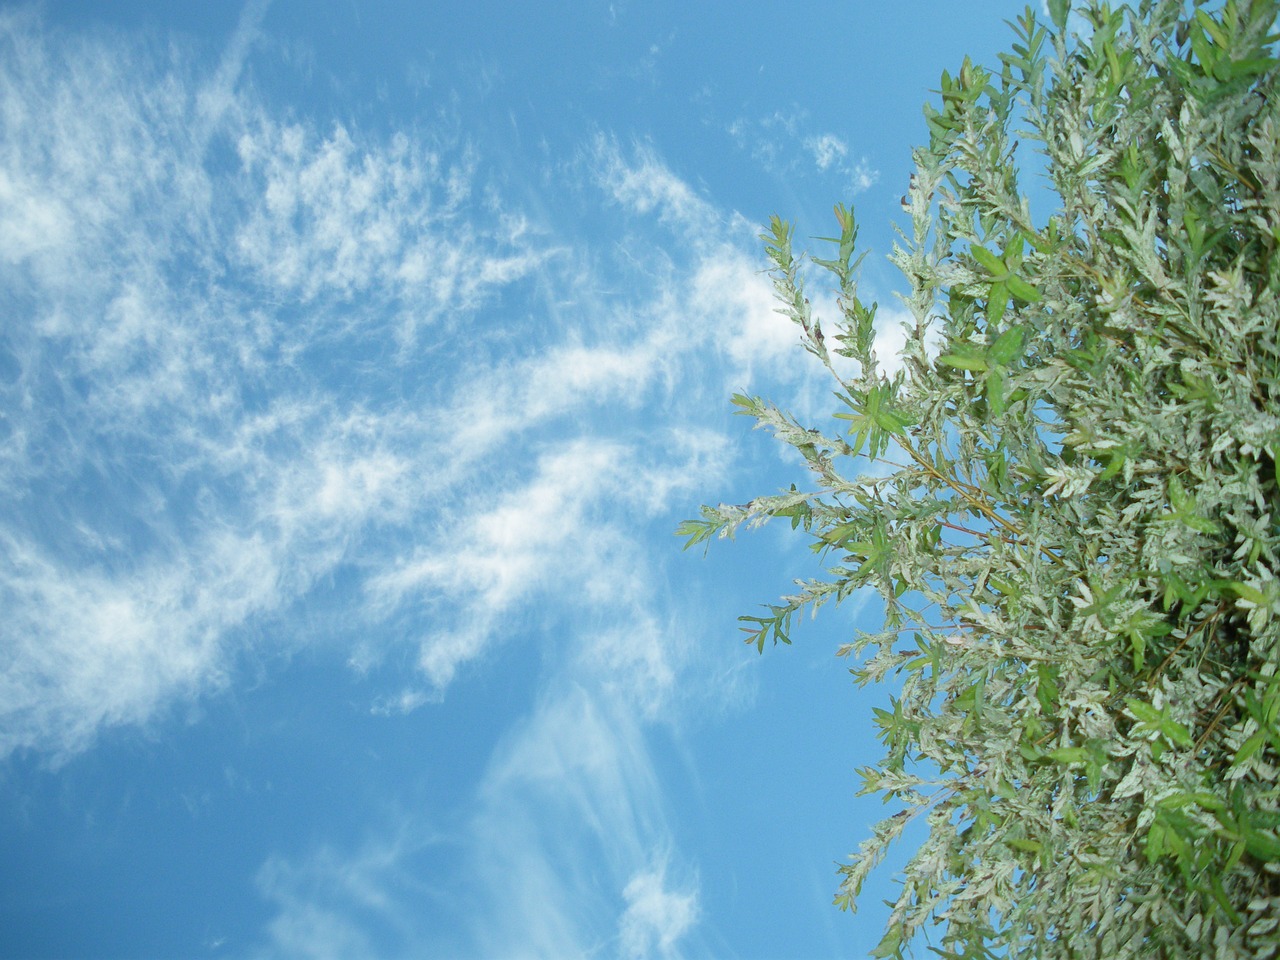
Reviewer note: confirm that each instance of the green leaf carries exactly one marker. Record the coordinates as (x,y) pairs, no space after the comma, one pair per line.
(1029,846)
(1153,847)
(1021,289)
(1245,592)
(1249,748)
(989,261)
(892,421)
(698,531)
(1068,755)
(1176,733)
(1220,896)
(965,359)
(1213,28)
(1138,649)
(1262,845)
(889,945)
(1250,68)
(1008,346)
(1046,688)
(994,387)
(997,302)
(1202,525)
(1143,710)
(1198,798)
(1058,10)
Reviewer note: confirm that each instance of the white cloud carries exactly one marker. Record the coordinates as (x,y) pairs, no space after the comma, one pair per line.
(568,833)
(565,851)
(827,149)
(771,142)
(29,224)
(253,442)
(367,903)
(646,186)
(561,534)
(511,397)
(730,286)
(340,219)
(656,918)
(260,355)
(227,393)
(718,304)
(205,401)
(84,649)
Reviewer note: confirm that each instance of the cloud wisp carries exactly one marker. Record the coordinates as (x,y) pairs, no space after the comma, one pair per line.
(571,838)
(204,406)
(771,140)
(265,361)
(566,850)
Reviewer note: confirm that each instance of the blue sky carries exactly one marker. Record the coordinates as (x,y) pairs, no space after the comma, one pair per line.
(357,362)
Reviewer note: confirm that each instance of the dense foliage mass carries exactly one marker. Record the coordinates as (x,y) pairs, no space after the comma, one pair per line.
(1067,497)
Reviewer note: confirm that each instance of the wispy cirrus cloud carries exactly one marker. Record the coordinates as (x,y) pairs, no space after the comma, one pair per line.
(772,140)
(276,381)
(217,362)
(571,839)
(656,916)
(569,851)
(337,219)
(250,332)
(716,302)
(200,421)
(338,903)
(85,649)
(566,851)
(832,153)
(265,355)
(494,554)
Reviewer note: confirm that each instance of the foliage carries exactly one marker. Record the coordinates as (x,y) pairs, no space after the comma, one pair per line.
(1070,504)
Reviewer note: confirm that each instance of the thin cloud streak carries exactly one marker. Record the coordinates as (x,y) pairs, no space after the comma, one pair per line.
(193,442)
(285,360)
(770,141)
(230,372)
(210,378)
(566,852)
(656,917)
(369,902)
(570,843)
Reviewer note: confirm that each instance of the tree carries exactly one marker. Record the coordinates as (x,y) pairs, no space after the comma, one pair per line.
(1067,497)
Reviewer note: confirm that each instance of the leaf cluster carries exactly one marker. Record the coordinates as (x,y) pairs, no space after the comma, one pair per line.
(1070,507)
